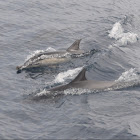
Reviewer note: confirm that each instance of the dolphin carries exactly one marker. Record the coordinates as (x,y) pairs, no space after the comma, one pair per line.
(51,58)
(81,82)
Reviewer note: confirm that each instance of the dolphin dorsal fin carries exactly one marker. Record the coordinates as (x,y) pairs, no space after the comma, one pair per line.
(74,46)
(80,77)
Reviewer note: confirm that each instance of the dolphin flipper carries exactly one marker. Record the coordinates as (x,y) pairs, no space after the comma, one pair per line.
(74,46)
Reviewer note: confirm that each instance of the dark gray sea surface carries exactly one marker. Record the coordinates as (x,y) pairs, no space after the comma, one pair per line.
(111,27)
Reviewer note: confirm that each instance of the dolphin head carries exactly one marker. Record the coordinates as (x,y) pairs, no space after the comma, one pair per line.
(18,68)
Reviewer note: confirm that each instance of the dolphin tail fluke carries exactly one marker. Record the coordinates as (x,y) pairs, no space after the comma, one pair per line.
(74,46)
(80,77)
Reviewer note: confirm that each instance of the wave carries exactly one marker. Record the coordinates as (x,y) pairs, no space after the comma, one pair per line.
(134,125)
(128,76)
(122,38)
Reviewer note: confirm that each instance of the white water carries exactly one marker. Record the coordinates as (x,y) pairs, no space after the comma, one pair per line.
(116,31)
(122,38)
(34,53)
(129,75)
(67,75)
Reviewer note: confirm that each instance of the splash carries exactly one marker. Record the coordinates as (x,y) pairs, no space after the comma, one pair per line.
(79,91)
(46,93)
(116,31)
(129,78)
(41,93)
(70,74)
(71,91)
(34,53)
(122,38)
(63,77)
(127,38)
(130,75)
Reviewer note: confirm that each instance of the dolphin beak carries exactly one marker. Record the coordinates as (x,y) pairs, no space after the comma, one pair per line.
(18,69)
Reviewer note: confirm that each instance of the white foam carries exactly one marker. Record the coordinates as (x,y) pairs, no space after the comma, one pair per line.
(127,38)
(32,54)
(122,39)
(41,93)
(68,75)
(50,49)
(117,31)
(78,91)
(71,91)
(128,76)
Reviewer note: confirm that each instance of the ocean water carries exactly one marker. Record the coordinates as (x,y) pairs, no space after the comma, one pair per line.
(111,27)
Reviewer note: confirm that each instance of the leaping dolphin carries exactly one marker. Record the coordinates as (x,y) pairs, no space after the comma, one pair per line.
(81,82)
(51,58)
